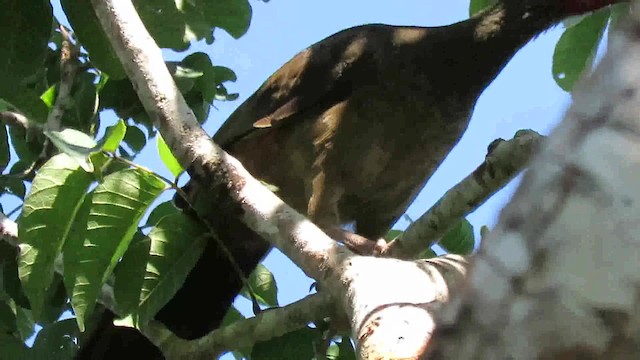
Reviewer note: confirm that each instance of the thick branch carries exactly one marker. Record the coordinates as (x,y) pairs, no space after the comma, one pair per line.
(558,276)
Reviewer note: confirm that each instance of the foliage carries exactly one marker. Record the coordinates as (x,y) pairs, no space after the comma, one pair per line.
(89,201)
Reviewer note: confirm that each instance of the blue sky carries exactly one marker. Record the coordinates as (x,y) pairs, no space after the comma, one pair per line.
(524,96)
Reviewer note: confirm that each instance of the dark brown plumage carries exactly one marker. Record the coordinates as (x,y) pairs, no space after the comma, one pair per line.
(350,129)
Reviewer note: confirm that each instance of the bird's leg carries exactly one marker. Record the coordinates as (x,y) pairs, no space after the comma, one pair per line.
(323,211)
(356,243)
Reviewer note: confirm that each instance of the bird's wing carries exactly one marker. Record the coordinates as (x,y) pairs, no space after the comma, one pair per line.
(320,75)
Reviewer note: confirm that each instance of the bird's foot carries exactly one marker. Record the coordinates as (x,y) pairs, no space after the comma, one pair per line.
(357,243)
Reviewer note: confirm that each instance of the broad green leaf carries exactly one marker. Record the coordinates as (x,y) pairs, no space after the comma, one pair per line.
(25,28)
(176,245)
(460,239)
(167,157)
(129,275)
(475,6)
(45,222)
(135,138)
(88,30)
(26,325)
(5,156)
(198,105)
(56,340)
(13,348)
(74,143)
(119,95)
(264,285)
(232,316)
(346,349)
(110,216)
(7,319)
(13,185)
(166,24)
(164,209)
(233,16)
(295,345)
(24,99)
(11,285)
(114,136)
(26,148)
(104,165)
(174,24)
(55,301)
(212,76)
(576,49)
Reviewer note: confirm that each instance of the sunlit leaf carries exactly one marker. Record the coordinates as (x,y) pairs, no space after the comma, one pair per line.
(45,222)
(167,157)
(576,49)
(109,218)
(176,244)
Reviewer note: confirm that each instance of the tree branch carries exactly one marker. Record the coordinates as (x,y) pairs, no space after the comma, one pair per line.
(558,276)
(501,164)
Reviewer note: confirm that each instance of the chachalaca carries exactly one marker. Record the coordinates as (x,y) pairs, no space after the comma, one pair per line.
(350,130)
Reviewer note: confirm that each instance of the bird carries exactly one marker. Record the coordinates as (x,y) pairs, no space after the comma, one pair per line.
(349,131)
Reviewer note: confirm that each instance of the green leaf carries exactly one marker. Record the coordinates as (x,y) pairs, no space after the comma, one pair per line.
(233,16)
(11,285)
(135,138)
(88,30)
(45,222)
(56,340)
(7,319)
(212,76)
(232,315)
(164,209)
(166,24)
(342,351)
(174,24)
(427,254)
(460,239)
(392,234)
(26,325)
(55,301)
(23,99)
(264,285)
(167,157)
(114,136)
(176,244)
(13,186)
(129,274)
(27,150)
(13,348)
(475,6)
(295,345)
(576,49)
(5,156)
(25,28)
(346,349)
(49,96)
(76,144)
(109,218)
